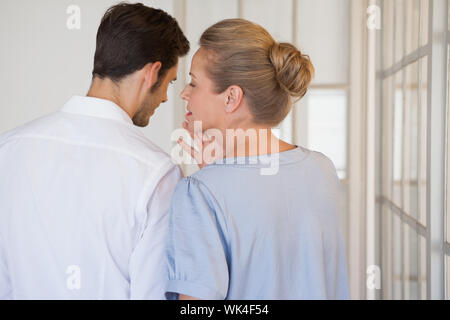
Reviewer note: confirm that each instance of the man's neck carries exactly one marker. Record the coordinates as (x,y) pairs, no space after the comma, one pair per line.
(108,90)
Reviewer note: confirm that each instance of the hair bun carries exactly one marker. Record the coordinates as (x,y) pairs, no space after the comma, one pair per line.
(293,70)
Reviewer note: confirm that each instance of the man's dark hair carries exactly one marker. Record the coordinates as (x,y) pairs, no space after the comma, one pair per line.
(132,35)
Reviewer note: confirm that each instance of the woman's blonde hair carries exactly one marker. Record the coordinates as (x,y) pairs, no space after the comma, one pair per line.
(272,75)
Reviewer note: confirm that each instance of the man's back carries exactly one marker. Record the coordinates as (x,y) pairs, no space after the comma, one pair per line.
(83,204)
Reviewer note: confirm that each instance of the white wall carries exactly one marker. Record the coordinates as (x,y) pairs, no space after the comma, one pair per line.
(323,33)
(43,63)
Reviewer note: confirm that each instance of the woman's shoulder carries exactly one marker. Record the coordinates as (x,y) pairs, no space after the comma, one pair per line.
(301,157)
(211,184)
(323,163)
(212,174)
(195,185)
(220,178)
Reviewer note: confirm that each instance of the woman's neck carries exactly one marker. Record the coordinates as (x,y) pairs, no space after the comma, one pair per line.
(253,142)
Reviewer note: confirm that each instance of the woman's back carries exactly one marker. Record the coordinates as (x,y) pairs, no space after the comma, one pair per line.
(238,234)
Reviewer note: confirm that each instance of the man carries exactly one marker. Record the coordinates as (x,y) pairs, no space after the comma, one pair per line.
(84,196)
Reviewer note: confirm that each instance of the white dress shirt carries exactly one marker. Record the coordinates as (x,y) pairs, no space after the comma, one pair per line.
(84,201)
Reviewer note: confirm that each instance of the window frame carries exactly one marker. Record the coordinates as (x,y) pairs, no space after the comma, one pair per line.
(432,231)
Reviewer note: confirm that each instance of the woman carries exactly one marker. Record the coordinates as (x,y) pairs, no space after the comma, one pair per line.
(236,233)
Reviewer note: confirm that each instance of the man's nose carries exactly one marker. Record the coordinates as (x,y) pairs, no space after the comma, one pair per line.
(165,98)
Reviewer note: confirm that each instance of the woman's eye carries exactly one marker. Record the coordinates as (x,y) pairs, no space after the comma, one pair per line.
(192,85)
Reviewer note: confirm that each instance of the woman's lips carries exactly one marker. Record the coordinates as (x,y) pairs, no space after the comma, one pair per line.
(187,115)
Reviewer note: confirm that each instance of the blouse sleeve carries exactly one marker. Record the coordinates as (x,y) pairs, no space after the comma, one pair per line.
(197,250)
(5,285)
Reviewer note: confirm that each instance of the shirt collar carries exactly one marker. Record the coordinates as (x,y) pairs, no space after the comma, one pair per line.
(96,107)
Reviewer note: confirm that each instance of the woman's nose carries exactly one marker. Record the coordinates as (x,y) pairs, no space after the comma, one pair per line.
(184,93)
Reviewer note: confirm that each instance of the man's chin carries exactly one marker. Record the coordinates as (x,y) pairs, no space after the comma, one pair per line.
(141,122)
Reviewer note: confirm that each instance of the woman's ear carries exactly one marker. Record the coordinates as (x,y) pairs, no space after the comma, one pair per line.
(151,71)
(233,98)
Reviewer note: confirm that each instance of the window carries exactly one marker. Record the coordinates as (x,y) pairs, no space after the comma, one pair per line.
(327,125)
(416,118)
(447,214)
(404,148)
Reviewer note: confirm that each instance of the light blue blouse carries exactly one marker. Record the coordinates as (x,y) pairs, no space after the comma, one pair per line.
(237,234)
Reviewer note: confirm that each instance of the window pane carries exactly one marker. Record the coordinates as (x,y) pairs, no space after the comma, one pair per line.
(387,136)
(412,25)
(398,141)
(410,150)
(388,33)
(405,259)
(424,7)
(327,122)
(387,254)
(410,263)
(423,141)
(397,257)
(399,26)
(423,267)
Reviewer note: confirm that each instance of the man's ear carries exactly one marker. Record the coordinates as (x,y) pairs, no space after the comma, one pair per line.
(233,98)
(151,71)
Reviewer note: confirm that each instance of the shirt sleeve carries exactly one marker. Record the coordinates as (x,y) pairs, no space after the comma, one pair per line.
(148,260)
(197,259)
(5,285)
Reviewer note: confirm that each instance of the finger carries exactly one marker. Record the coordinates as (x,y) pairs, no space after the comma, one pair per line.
(189,128)
(198,140)
(206,137)
(188,148)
